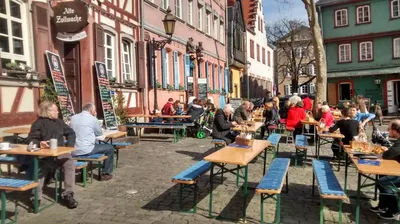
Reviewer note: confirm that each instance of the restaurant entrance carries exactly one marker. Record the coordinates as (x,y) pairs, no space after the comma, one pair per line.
(72,68)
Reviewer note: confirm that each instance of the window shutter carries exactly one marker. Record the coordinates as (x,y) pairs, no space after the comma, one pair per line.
(141,65)
(213,77)
(226,80)
(200,70)
(230,84)
(164,68)
(219,79)
(186,61)
(176,70)
(150,65)
(41,28)
(99,42)
(207,74)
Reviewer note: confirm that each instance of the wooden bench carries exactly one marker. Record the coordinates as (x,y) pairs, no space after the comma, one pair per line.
(218,143)
(117,147)
(271,185)
(175,126)
(328,186)
(274,146)
(10,184)
(188,179)
(83,167)
(301,149)
(99,158)
(8,160)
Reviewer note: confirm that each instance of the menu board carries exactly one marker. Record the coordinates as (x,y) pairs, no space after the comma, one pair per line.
(202,88)
(110,119)
(235,102)
(60,85)
(190,86)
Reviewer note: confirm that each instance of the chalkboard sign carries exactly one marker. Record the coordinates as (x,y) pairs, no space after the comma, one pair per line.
(105,95)
(235,102)
(202,88)
(190,86)
(60,85)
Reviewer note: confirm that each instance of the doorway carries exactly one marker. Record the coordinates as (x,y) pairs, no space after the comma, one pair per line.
(73,73)
(393,96)
(344,91)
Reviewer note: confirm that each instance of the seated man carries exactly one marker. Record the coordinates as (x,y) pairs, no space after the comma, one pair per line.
(168,109)
(49,126)
(222,126)
(87,128)
(241,113)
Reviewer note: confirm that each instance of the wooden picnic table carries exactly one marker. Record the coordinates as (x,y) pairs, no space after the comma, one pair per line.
(159,116)
(22,150)
(240,157)
(111,134)
(18,131)
(387,167)
(251,129)
(327,138)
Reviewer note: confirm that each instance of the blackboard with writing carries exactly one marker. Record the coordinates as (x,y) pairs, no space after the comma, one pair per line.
(202,88)
(190,86)
(60,85)
(235,102)
(110,119)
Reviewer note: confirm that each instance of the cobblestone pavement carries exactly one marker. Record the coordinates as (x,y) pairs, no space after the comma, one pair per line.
(148,168)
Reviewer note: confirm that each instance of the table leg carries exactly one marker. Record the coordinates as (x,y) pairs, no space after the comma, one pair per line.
(211,189)
(315,135)
(317,148)
(36,179)
(345,173)
(245,192)
(358,199)
(265,160)
(340,154)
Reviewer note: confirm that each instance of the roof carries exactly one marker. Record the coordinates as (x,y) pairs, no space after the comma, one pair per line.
(250,13)
(330,2)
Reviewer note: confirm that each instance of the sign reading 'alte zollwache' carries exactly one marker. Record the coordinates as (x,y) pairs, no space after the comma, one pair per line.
(70,17)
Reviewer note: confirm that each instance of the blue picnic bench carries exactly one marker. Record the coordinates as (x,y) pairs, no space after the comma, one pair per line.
(176,127)
(301,144)
(99,158)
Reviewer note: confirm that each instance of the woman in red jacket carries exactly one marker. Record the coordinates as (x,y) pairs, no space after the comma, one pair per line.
(307,104)
(295,115)
(327,116)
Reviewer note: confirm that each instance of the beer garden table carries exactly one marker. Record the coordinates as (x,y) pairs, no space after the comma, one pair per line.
(18,131)
(240,157)
(387,167)
(251,129)
(22,150)
(328,138)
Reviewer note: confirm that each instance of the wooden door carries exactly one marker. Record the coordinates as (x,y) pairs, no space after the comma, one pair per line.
(73,73)
(332,94)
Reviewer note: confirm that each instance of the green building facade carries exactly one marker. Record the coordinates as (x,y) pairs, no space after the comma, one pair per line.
(362,43)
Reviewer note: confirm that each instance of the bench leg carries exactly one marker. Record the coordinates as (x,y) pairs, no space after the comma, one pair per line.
(321,212)
(116,158)
(262,208)
(91,172)
(99,168)
(340,211)
(57,179)
(313,184)
(278,209)
(287,182)
(9,169)
(3,207)
(277,150)
(84,173)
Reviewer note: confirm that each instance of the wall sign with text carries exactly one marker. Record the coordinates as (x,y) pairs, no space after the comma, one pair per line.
(60,85)
(70,17)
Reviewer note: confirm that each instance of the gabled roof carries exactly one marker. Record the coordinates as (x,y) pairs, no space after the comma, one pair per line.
(330,2)
(250,13)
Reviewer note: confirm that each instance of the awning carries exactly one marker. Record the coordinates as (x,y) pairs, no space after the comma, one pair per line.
(382,71)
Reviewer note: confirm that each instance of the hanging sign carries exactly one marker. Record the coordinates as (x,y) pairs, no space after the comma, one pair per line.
(71,37)
(70,17)
(60,85)
(110,119)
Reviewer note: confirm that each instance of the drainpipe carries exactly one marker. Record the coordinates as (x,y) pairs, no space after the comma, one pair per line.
(226,47)
(145,90)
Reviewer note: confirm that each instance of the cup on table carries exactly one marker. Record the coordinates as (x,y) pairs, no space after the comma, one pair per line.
(101,123)
(4,145)
(53,144)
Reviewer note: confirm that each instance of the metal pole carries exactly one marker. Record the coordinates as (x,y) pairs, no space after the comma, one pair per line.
(154,75)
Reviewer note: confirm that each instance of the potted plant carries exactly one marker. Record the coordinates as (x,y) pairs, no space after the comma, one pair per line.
(181,88)
(120,112)
(20,70)
(170,87)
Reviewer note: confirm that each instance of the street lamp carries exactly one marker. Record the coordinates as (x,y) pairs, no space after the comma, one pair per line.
(169,28)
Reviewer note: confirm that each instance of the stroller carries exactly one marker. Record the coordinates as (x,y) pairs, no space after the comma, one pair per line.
(202,125)
(380,137)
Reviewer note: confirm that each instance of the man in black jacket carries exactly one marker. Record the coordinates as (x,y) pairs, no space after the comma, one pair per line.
(47,127)
(241,113)
(387,207)
(222,126)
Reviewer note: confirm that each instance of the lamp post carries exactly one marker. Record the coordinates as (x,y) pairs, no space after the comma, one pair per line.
(169,28)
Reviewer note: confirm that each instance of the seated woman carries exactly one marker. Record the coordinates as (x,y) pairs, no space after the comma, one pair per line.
(222,126)
(271,115)
(327,116)
(195,111)
(387,207)
(295,115)
(348,127)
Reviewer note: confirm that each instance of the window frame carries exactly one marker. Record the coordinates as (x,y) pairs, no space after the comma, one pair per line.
(113,58)
(179,6)
(190,12)
(208,23)
(200,14)
(394,49)
(221,32)
(269,58)
(391,9)
(216,26)
(360,44)
(350,52)
(263,55)
(165,4)
(252,49)
(132,55)
(347,17)
(167,53)
(258,53)
(363,8)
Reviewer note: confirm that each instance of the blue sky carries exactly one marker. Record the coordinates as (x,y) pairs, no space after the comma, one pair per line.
(275,10)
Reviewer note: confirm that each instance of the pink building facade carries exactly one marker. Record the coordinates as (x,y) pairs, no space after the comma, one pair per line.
(204,21)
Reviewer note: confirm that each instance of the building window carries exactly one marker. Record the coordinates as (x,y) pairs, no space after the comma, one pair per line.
(366,51)
(199,17)
(311,88)
(178,8)
(208,23)
(345,53)
(216,27)
(269,58)
(363,14)
(221,32)
(12,33)
(288,89)
(396,47)
(303,89)
(238,39)
(252,49)
(167,67)
(395,8)
(263,56)
(109,55)
(258,52)
(311,69)
(301,52)
(190,12)
(344,91)
(341,18)
(128,69)
(165,4)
